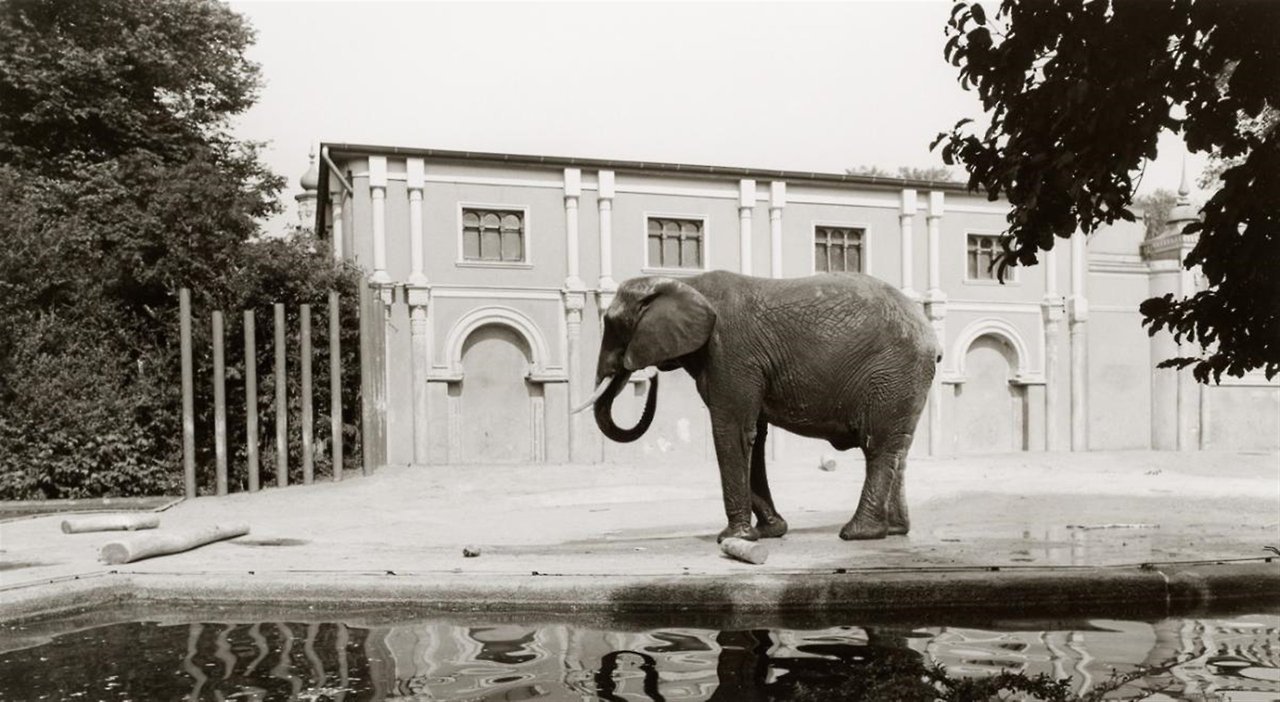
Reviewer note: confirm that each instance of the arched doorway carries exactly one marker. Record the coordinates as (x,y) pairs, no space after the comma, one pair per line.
(496,412)
(989,409)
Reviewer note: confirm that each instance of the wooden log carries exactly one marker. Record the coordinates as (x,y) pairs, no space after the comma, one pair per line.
(743,550)
(110,522)
(165,543)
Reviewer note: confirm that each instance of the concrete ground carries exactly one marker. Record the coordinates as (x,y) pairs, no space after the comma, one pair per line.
(980,526)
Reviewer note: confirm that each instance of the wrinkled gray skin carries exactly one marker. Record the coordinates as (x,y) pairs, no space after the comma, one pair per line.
(841,357)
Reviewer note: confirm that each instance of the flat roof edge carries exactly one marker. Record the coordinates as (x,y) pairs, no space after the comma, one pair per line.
(886,182)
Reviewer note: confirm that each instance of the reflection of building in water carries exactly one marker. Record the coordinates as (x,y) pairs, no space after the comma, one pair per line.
(1200,659)
(1210,659)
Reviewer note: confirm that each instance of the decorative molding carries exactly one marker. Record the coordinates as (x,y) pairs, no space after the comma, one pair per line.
(999,328)
(886,204)
(995,306)
(494,291)
(539,350)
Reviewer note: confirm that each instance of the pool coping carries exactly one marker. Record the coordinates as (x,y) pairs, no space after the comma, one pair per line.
(1153,590)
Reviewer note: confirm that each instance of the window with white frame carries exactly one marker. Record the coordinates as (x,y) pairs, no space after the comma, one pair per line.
(837,249)
(675,243)
(492,235)
(982,252)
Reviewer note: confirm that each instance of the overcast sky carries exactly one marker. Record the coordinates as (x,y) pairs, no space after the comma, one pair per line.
(801,86)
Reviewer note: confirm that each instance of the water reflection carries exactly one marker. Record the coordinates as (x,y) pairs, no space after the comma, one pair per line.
(1194,659)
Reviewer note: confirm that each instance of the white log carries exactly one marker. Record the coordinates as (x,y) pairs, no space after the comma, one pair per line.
(165,543)
(110,522)
(743,550)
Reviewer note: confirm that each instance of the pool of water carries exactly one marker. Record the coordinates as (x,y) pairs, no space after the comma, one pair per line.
(1234,658)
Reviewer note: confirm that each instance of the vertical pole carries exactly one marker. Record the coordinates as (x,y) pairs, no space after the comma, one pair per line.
(335,383)
(366,379)
(282,403)
(604,202)
(251,399)
(572,191)
(746,203)
(308,428)
(219,405)
(378,198)
(188,396)
(777,201)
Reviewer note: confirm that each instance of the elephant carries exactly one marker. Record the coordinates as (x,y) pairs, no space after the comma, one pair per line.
(843,357)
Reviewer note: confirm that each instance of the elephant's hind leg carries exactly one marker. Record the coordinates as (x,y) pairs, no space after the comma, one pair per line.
(899,521)
(885,459)
(769,523)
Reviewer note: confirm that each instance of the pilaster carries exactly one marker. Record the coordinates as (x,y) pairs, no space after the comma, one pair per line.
(935,308)
(572,192)
(378,198)
(420,340)
(777,201)
(604,200)
(906,219)
(336,236)
(416,177)
(937,207)
(1078,312)
(574,303)
(746,203)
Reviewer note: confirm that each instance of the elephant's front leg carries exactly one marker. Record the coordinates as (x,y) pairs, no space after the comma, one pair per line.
(769,523)
(734,437)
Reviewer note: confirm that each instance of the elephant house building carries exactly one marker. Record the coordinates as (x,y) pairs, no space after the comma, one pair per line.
(489,274)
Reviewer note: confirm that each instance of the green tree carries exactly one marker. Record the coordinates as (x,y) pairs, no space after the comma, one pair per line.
(1077,94)
(121,185)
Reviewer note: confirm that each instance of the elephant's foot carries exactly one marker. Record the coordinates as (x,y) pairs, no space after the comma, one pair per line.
(771,528)
(739,531)
(899,525)
(863,530)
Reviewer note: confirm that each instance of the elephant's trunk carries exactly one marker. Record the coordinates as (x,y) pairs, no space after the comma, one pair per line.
(604,410)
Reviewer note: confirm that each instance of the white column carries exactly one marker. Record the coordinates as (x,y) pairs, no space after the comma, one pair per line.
(906,217)
(337,225)
(420,347)
(378,194)
(937,206)
(777,201)
(1078,307)
(1052,314)
(936,310)
(417,181)
(746,203)
(604,198)
(574,302)
(572,191)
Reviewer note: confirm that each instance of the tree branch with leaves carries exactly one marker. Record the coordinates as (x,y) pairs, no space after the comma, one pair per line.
(1077,94)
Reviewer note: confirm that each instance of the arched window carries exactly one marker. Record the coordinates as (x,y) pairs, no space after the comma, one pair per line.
(493,235)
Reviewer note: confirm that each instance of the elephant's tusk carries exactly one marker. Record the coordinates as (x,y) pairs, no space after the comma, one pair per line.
(604,384)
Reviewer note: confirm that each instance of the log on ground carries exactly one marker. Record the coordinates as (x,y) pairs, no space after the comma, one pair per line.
(165,543)
(743,550)
(110,522)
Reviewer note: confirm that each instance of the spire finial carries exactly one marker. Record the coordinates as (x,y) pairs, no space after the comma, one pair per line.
(1184,190)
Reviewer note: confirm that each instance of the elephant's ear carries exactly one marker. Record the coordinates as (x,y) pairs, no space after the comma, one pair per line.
(677,320)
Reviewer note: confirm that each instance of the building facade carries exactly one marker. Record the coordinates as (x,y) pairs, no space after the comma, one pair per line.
(495,269)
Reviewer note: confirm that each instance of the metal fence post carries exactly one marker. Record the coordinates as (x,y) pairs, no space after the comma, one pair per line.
(188,396)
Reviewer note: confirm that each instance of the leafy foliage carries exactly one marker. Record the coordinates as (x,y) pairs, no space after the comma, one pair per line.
(1077,94)
(121,185)
(1156,207)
